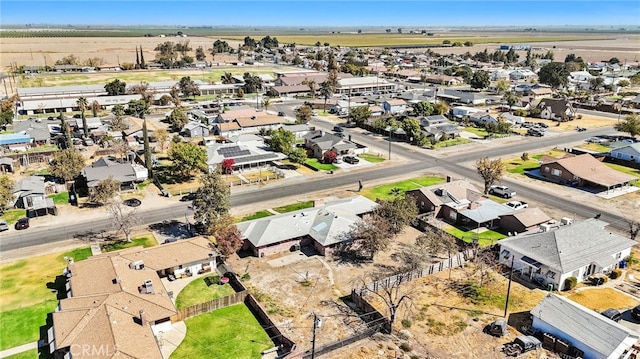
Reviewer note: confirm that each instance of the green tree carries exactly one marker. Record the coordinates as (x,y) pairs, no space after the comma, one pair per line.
(83,105)
(297,155)
(6,111)
(104,191)
(188,87)
(359,115)
(266,102)
(512,98)
(630,125)
(281,140)
(118,123)
(423,108)
(138,108)
(65,130)
(147,149)
(116,88)
(66,164)
(554,74)
(624,83)
(480,80)
(397,212)
(187,158)
(596,83)
(252,83)
(491,171)
(142,89)
(161,136)
(227,78)
(6,192)
(411,127)
(441,108)
(200,55)
(211,203)
(502,85)
(326,91)
(312,86)
(303,114)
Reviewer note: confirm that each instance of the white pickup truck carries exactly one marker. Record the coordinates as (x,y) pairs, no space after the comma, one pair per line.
(517,205)
(502,191)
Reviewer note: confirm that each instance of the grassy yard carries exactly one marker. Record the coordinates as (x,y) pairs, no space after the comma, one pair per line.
(256,215)
(28,289)
(316,165)
(517,165)
(623,169)
(596,147)
(452,142)
(231,332)
(145,241)
(485,238)
(203,290)
(386,191)
(371,158)
(480,132)
(60,198)
(294,207)
(603,298)
(12,215)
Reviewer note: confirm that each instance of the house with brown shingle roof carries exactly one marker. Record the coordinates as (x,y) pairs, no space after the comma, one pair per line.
(584,171)
(558,110)
(116,302)
(524,220)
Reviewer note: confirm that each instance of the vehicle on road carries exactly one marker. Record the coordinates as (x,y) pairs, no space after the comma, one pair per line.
(189,197)
(502,191)
(635,312)
(580,129)
(542,124)
(3,225)
(612,314)
(280,113)
(23,223)
(339,134)
(535,132)
(338,129)
(517,205)
(132,202)
(351,159)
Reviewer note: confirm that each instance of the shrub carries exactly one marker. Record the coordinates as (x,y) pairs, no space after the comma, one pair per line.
(616,273)
(406,323)
(406,347)
(245,276)
(631,260)
(570,283)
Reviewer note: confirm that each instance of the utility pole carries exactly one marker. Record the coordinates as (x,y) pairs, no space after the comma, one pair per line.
(506,303)
(317,323)
(390,128)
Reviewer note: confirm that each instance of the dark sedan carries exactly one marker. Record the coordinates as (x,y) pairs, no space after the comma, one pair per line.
(23,223)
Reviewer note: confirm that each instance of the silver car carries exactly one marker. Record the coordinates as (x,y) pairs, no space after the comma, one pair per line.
(3,225)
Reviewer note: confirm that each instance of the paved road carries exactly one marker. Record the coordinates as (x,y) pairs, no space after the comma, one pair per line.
(421,161)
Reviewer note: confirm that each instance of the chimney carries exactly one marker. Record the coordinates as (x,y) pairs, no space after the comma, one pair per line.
(473,205)
(143,318)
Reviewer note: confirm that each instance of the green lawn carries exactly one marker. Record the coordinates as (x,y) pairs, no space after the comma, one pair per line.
(28,289)
(12,215)
(203,290)
(480,132)
(452,142)
(21,326)
(146,241)
(371,158)
(231,332)
(519,166)
(485,238)
(623,169)
(256,215)
(385,191)
(60,198)
(294,207)
(595,147)
(316,165)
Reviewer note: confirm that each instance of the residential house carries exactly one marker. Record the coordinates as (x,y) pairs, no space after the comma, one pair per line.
(579,250)
(595,335)
(320,142)
(247,120)
(93,123)
(524,220)
(438,125)
(626,152)
(244,153)
(512,119)
(539,92)
(483,117)
(444,80)
(36,129)
(15,142)
(117,304)
(30,194)
(299,131)
(522,74)
(321,227)
(584,171)
(467,97)
(195,129)
(125,173)
(558,110)
(461,111)
(354,85)
(394,107)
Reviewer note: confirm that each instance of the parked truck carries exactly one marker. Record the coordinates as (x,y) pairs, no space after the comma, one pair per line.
(502,191)
(521,344)
(517,205)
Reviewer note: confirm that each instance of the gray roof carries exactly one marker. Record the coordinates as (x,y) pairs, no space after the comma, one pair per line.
(105,168)
(324,224)
(571,246)
(485,211)
(324,140)
(579,323)
(29,185)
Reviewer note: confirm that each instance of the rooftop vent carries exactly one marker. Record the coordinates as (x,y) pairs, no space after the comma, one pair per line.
(147,287)
(137,265)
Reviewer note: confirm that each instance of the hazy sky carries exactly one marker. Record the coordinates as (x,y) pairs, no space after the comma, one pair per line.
(305,13)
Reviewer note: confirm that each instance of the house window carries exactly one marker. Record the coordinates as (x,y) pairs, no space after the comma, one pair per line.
(551,274)
(556,172)
(546,169)
(505,254)
(619,256)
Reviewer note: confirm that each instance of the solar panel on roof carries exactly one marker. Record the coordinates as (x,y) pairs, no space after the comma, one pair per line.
(233,151)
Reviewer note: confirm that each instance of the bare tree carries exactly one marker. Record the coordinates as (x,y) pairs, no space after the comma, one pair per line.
(428,244)
(634,228)
(394,292)
(123,220)
(491,171)
(370,235)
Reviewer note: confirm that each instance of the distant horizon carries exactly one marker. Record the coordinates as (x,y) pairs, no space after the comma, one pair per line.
(318,14)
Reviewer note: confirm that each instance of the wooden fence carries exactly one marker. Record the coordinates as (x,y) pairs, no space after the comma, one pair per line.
(210,306)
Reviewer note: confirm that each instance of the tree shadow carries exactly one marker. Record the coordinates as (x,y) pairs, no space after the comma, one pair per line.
(59,286)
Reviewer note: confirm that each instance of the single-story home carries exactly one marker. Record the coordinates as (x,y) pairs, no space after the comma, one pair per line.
(126,173)
(573,249)
(626,152)
(195,129)
(319,142)
(30,194)
(593,334)
(15,142)
(245,154)
(583,170)
(394,106)
(322,227)
(524,220)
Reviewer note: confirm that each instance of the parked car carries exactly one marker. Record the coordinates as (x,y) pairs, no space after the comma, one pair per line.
(542,124)
(635,312)
(189,197)
(517,205)
(535,133)
(132,202)
(88,142)
(596,140)
(23,223)
(339,134)
(612,314)
(3,225)
(522,344)
(280,113)
(338,129)
(351,159)
(502,191)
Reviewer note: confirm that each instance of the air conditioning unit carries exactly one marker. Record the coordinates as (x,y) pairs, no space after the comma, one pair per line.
(137,265)
(545,227)
(566,220)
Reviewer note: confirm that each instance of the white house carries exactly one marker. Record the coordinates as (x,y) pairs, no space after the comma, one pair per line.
(627,152)
(395,106)
(481,117)
(461,111)
(597,336)
(578,250)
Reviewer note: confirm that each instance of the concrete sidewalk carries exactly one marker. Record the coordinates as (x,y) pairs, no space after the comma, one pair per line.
(19,349)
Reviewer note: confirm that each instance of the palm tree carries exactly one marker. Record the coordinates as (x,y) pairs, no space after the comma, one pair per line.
(227,78)
(326,91)
(266,103)
(83,105)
